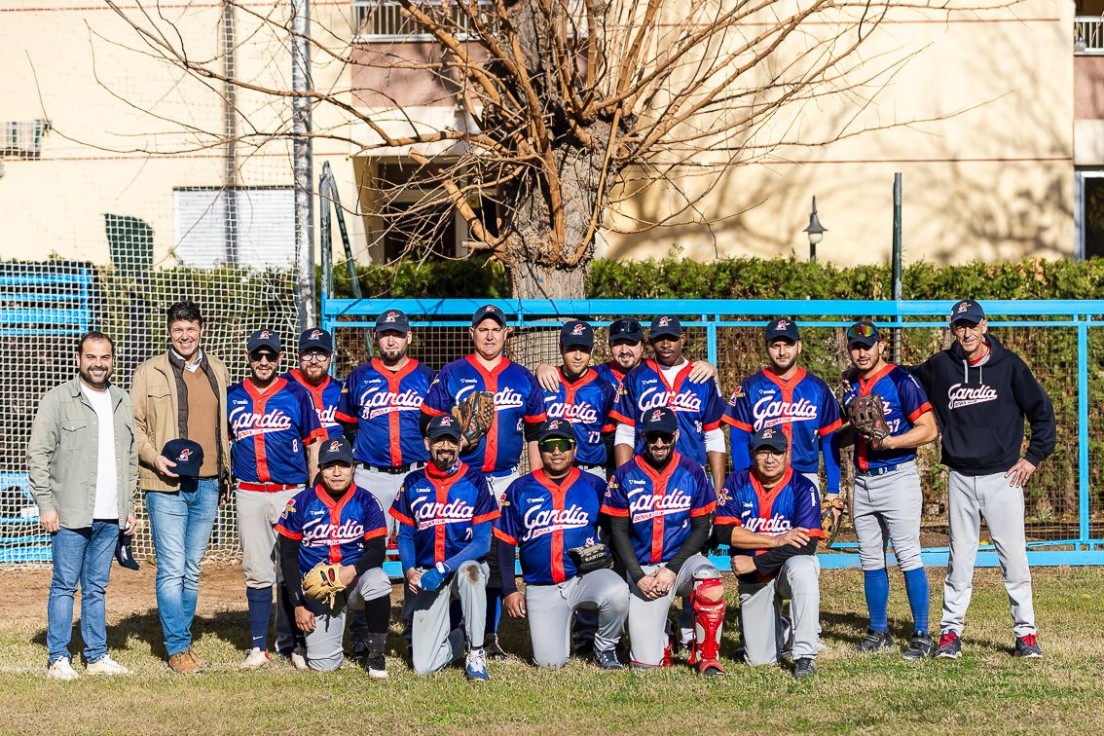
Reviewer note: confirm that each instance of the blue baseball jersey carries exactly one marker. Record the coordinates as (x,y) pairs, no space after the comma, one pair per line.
(443,508)
(611,373)
(544,519)
(269,431)
(324,397)
(518,401)
(586,403)
(803,407)
(743,502)
(386,406)
(329,529)
(904,401)
(659,505)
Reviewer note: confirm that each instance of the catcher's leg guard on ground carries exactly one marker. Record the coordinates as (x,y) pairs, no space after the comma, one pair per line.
(708,602)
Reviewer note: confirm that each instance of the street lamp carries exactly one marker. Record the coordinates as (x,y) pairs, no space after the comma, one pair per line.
(816,232)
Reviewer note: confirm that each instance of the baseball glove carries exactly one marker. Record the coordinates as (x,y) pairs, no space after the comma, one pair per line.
(323,582)
(830,521)
(590,558)
(867,416)
(475,413)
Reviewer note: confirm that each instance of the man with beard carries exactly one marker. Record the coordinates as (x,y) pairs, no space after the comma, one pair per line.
(273,425)
(519,412)
(315,355)
(83,475)
(982,393)
(445,512)
(798,403)
(660,507)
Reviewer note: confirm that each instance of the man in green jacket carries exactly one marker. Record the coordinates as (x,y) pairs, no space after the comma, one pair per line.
(83,466)
(181,394)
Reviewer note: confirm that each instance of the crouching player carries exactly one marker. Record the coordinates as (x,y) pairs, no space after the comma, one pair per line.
(770,517)
(546,514)
(660,506)
(337,523)
(445,511)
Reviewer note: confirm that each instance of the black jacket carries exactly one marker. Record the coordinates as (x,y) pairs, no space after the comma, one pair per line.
(981,409)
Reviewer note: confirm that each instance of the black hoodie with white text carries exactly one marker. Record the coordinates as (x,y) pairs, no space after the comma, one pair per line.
(981,408)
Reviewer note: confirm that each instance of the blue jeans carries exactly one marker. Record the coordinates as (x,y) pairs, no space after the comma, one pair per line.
(84,556)
(180,523)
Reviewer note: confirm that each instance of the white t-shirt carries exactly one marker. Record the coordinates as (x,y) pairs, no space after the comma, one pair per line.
(107,473)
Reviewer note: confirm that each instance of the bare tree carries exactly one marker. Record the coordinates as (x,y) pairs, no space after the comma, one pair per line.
(572,113)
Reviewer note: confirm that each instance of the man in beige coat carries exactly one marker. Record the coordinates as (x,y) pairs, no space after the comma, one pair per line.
(181,394)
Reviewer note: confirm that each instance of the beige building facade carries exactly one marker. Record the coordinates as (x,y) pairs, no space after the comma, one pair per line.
(994,118)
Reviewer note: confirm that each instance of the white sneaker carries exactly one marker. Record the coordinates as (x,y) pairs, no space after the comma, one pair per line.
(106,666)
(298,661)
(256,659)
(61,669)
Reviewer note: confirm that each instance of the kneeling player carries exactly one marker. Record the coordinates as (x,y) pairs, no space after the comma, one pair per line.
(660,506)
(337,523)
(548,513)
(770,517)
(445,511)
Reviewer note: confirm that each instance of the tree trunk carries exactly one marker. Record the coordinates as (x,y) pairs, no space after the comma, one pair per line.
(531,280)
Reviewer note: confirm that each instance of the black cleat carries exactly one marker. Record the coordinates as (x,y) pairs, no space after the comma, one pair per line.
(607,660)
(492,649)
(875,641)
(804,667)
(919,646)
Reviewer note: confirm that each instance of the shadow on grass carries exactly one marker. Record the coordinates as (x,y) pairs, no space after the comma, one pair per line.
(229,626)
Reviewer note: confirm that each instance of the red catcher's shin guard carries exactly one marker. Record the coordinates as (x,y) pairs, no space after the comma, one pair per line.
(708,602)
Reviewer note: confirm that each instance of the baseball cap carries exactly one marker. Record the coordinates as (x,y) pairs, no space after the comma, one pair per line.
(187,456)
(556,428)
(772,437)
(626,329)
(315,339)
(781,329)
(263,339)
(393,320)
(576,332)
(660,419)
(443,426)
(488,311)
(864,333)
(665,325)
(336,450)
(124,553)
(967,310)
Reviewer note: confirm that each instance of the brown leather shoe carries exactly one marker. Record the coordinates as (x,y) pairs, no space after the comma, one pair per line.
(184,663)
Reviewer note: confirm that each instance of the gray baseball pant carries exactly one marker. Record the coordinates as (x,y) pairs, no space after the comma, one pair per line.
(324,650)
(435,645)
(648,618)
(766,632)
(549,609)
(384,486)
(887,508)
(968,499)
(257,515)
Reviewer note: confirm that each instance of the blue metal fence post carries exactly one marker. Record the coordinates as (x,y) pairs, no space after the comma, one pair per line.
(711,337)
(1083,423)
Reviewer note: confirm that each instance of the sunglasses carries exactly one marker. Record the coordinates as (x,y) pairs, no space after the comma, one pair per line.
(861,331)
(652,437)
(262,357)
(561,445)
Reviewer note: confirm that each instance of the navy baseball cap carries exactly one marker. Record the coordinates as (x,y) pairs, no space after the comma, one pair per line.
(393,320)
(665,325)
(124,553)
(577,333)
(967,310)
(781,329)
(336,450)
(444,425)
(556,428)
(772,437)
(264,339)
(488,311)
(626,329)
(864,333)
(660,419)
(187,456)
(316,339)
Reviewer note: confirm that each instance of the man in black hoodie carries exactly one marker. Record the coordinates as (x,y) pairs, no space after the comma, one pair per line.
(981,392)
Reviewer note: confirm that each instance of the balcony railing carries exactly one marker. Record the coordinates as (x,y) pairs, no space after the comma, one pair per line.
(378,21)
(1088,35)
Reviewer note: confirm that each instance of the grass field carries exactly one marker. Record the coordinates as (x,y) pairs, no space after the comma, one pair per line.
(986,692)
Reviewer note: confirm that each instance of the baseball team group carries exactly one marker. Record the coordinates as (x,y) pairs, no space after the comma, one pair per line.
(627,493)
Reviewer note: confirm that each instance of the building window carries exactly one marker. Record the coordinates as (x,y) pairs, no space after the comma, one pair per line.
(242,226)
(23,139)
